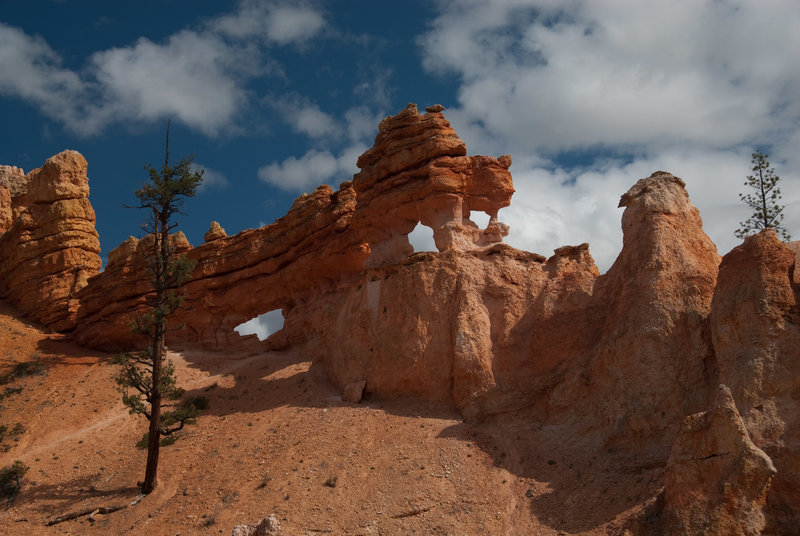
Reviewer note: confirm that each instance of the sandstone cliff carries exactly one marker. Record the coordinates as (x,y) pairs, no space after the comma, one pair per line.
(755,321)
(629,362)
(49,244)
(236,277)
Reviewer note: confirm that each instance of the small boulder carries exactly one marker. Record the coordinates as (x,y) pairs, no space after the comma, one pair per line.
(354,391)
(269,526)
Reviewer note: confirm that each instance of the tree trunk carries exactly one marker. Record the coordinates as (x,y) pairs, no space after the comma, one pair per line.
(161,246)
(154,436)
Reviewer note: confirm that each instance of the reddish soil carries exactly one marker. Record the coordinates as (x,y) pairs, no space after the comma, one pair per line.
(277,439)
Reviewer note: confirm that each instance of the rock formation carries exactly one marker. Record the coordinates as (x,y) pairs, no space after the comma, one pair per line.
(236,277)
(49,245)
(215,232)
(755,322)
(716,478)
(417,172)
(651,363)
(618,360)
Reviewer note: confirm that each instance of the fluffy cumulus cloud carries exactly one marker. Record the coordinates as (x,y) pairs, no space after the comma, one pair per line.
(198,75)
(38,74)
(312,169)
(590,96)
(188,77)
(352,134)
(212,179)
(304,116)
(282,23)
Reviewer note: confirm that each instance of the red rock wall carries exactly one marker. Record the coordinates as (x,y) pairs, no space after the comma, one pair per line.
(629,361)
(236,277)
(755,323)
(51,247)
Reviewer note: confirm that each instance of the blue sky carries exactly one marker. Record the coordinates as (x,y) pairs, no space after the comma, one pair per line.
(277,97)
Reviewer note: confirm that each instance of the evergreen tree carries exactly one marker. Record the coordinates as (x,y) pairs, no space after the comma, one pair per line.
(764,202)
(148,373)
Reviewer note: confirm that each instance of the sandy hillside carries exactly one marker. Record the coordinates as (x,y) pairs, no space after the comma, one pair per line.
(278,439)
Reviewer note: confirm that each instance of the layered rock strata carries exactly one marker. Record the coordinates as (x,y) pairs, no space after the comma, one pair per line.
(418,172)
(49,246)
(613,362)
(236,277)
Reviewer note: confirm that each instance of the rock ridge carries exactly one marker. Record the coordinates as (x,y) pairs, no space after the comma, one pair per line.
(629,362)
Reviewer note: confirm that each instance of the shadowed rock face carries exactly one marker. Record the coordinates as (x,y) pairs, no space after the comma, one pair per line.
(755,323)
(49,248)
(613,362)
(717,479)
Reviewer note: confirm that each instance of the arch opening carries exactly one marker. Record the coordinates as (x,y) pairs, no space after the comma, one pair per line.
(262,325)
(481,219)
(421,239)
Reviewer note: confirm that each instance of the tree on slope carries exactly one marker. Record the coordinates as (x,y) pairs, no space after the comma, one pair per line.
(764,201)
(147,379)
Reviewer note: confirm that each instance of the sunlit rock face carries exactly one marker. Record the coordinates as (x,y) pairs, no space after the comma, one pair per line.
(49,247)
(418,171)
(629,362)
(305,253)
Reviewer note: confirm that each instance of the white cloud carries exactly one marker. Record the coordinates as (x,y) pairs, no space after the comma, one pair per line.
(280,22)
(305,117)
(361,123)
(33,72)
(579,74)
(354,132)
(312,169)
(212,179)
(186,77)
(630,88)
(291,23)
(198,76)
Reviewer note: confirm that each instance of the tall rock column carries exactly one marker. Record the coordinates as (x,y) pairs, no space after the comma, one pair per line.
(755,323)
(51,247)
(652,364)
(12,183)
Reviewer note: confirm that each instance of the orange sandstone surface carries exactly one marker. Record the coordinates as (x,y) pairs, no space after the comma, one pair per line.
(476,390)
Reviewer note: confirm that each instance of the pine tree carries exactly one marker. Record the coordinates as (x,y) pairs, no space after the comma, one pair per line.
(767,212)
(147,372)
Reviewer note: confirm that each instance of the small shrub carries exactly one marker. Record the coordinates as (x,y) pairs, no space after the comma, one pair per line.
(8,391)
(12,435)
(331,482)
(11,478)
(23,369)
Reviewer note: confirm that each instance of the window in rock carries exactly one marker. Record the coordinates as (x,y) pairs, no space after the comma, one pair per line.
(262,325)
(481,219)
(421,238)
